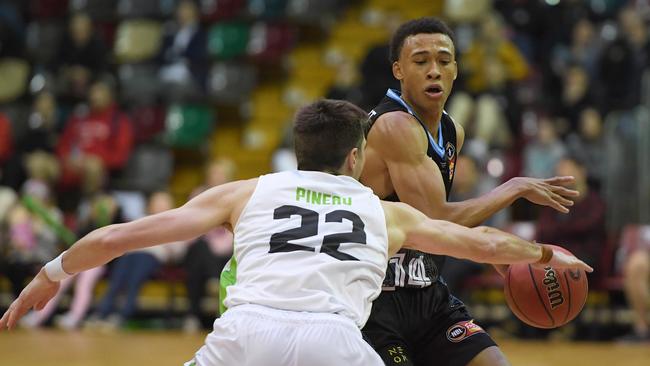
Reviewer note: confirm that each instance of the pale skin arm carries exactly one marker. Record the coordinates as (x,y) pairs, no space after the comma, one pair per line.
(217,206)
(401,143)
(411,229)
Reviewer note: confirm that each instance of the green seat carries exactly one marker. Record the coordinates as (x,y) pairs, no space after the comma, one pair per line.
(267,9)
(188,125)
(228,40)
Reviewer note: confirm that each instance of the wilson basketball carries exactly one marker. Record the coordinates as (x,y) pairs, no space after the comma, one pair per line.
(545,297)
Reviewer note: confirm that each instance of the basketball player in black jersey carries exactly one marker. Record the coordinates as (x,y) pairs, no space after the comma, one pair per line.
(411,156)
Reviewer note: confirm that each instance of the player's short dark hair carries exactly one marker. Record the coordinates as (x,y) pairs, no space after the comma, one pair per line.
(413,27)
(325,131)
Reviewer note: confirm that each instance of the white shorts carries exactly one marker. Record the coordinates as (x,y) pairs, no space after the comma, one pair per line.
(253,335)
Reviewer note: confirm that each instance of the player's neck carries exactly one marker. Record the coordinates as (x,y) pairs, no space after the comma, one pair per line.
(430,117)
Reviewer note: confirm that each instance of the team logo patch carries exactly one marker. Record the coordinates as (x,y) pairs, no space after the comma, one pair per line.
(450,152)
(463,330)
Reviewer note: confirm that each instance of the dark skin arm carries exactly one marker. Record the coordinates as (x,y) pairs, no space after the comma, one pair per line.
(400,142)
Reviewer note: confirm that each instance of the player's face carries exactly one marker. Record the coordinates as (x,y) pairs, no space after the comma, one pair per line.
(426,69)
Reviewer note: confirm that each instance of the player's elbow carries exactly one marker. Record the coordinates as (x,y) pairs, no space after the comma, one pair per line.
(110,242)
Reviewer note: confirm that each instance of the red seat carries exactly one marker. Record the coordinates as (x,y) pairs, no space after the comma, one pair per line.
(214,10)
(270,42)
(632,237)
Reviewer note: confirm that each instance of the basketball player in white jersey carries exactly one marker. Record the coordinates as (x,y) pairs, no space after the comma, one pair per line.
(311,247)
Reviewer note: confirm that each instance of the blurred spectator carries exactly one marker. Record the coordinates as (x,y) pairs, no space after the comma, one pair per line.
(284,158)
(34,156)
(469,182)
(183,53)
(576,95)
(582,230)
(543,153)
(588,145)
(489,66)
(95,142)
(345,85)
(637,284)
(492,61)
(207,256)
(32,241)
(12,43)
(376,68)
(81,55)
(102,210)
(130,272)
(582,51)
(622,63)
(42,125)
(6,142)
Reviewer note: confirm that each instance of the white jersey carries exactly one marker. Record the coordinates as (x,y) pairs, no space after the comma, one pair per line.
(310,241)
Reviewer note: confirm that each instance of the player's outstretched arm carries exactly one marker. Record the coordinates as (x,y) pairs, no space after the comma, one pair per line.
(401,142)
(411,229)
(216,206)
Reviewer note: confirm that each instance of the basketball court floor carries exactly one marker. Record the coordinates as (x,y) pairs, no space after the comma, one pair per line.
(86,348)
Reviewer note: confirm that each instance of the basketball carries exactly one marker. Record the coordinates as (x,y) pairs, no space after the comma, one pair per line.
(545,297)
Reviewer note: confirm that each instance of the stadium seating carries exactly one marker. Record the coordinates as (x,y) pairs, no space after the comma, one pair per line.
(231,83)
(43,39)
(139,82)
(215,10)
(228,40)
(137,40)
(140,8)
(267,9)
(188,126)
(13,73)
(97,9)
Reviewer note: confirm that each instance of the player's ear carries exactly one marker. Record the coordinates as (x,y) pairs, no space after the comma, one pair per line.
(455,70)
(397,71)
(352,158)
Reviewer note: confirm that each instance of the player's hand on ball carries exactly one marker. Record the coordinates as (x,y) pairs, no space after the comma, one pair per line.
(547,192)
(561,260)
(36,295)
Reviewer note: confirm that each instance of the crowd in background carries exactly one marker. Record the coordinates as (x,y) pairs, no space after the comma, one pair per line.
(537,83)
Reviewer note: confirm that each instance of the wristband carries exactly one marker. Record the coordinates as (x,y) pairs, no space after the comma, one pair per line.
(547,254)
(54,269)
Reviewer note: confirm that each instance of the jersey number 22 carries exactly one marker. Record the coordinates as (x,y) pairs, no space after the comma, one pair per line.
(309,227)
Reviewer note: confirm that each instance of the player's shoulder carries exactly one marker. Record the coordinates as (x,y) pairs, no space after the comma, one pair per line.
(397,124)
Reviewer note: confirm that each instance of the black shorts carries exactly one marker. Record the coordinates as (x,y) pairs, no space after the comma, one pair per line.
(418,327)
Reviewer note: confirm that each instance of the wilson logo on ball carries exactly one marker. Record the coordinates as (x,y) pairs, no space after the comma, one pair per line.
(553,290)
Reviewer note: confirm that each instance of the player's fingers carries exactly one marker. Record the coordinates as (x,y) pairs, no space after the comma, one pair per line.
(557,206)
(15,315)
(560,180)
(3,320)
(40,305)
(561,200)
(566,192)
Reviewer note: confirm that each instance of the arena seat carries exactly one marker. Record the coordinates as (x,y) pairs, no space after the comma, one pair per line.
(140,8)
(270,42)
(267,9)
(48,9)
(97,9)
(149,168)
(231,83)
(188,126)
(139,82)
(137,40)
(228,40)
(148,121)
(43,39)
(310,12)
(214,10)
(13,73)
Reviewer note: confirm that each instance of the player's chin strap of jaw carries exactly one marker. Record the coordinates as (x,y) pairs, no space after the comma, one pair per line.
(547,254)
(54,269)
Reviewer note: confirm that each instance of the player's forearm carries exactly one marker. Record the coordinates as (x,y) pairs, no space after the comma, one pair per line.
(508,248)
(475,211)
(480,244)
(93,250)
